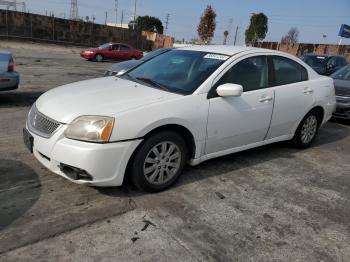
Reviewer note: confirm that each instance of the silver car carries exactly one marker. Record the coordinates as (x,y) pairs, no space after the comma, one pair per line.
(9,79)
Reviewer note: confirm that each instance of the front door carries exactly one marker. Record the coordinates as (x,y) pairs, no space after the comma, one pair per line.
(239,121)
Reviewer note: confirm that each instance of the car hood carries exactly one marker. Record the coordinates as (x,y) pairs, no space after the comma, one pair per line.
(126,65)
(102,96)
(342,87)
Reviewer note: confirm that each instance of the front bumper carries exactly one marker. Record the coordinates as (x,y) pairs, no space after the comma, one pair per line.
(87,55)
(343,108)
(105,163)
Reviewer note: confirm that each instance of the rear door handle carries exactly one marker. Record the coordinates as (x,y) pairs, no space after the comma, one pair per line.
(264,99)
(308,91)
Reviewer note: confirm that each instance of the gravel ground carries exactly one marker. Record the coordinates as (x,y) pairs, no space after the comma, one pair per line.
(273,203)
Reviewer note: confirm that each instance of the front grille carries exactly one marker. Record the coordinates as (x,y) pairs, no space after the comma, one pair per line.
(41,124)
(345,93)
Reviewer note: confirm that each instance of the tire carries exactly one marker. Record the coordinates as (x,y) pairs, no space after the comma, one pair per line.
(99,58)
(307,130)
(160,170)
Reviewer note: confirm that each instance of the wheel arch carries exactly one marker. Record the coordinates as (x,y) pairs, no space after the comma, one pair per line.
(179,129)
(320,111)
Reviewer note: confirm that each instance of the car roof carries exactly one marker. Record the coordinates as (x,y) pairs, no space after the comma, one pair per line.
(222,49)
(2,52)
(112,43)
(323,55)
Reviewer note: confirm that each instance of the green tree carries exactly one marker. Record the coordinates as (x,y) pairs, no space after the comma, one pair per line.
(148,23)
(207,25)
(257,29)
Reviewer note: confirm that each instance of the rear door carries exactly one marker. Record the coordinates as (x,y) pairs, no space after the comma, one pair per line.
(294,95)
(126,53)
(115,54)
(243,120)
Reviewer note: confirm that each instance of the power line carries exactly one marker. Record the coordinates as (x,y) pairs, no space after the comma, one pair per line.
(14,4)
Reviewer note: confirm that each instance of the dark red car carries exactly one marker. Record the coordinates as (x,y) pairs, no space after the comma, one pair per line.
(112,51)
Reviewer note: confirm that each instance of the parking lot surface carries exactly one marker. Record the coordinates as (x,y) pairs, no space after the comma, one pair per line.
(273,203)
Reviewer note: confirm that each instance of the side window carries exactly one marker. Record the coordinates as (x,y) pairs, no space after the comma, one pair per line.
(115,47)
(124,48)
(342,61)
(288,71)
(332,62)
(251,73)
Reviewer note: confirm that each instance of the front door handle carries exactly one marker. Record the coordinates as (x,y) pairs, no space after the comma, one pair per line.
(308,90)
(265,98)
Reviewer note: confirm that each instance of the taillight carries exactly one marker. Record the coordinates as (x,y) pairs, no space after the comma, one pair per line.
(11,66)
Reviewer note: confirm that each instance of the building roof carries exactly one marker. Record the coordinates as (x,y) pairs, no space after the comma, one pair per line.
(3,52)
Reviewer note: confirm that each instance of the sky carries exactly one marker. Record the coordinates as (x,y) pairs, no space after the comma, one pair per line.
(318,21)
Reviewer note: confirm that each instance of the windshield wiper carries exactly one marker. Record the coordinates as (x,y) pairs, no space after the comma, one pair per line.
(153,83)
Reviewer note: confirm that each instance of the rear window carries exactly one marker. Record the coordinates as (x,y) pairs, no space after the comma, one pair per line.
(315,61)
(288,71)
(4,60)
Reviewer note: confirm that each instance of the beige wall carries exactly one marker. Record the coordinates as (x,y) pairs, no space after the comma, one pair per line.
(303,48)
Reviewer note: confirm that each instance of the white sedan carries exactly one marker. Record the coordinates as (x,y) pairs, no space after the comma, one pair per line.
(185,106)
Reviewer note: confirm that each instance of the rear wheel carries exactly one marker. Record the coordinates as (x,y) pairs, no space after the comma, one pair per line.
(307,130)
(159,161)
(99,58)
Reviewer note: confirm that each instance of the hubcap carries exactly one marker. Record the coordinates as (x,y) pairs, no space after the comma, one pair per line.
(309,129)
(162,163)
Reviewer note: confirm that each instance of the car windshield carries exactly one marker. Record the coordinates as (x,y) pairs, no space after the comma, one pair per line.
(178,71)
(158,52)
(315,61)
(342,74)
(104,46)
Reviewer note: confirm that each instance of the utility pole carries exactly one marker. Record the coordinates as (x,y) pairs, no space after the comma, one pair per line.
(116,12)
(229,29)
(134,23)
(74,10)
(234,43)
(106,18)
(121,20)
(166,23)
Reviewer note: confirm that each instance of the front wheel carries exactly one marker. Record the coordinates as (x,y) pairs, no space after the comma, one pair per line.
(159,161)
(307,130)
(99,58)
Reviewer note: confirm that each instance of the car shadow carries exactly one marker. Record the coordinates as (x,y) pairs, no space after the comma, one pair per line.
(20,188)
(341,121)
(333,132)
(18,98)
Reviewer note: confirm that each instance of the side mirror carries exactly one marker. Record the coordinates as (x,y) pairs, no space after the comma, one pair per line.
(229,90)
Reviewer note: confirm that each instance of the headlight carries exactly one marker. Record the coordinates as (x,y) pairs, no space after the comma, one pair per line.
(91,129)
(89,52)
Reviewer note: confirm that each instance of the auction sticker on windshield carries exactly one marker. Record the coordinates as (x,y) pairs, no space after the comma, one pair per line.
(216,56)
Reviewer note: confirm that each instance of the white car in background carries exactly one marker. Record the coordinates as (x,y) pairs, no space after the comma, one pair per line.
(185,106)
